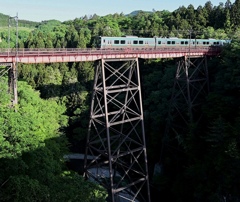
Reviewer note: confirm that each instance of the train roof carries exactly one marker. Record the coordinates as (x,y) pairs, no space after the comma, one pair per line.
(126,37)
(130,36)
(157,38)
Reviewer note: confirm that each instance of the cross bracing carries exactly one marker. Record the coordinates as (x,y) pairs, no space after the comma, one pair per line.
(116,132)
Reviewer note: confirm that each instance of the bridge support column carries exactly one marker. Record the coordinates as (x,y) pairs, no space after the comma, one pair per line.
(116,149)
(11,71)
(12,78)
(191,85)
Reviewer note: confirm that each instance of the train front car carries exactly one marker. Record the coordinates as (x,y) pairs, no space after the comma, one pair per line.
(127,42)
(105,42)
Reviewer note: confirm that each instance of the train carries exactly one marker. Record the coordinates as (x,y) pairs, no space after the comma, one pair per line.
(135,42)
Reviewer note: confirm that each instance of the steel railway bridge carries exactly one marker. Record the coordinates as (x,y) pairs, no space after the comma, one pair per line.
(116,137)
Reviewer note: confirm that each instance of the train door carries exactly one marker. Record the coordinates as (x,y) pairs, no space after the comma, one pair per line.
(155,42)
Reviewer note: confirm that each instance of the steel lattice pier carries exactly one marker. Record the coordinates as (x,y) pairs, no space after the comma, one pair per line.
(116,149)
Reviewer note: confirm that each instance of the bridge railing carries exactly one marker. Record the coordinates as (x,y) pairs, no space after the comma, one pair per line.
(79,51)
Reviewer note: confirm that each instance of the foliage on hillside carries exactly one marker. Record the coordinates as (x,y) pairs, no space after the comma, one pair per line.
(6,20)
(31,152)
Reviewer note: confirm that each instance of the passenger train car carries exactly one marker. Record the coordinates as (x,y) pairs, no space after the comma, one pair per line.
(134,42)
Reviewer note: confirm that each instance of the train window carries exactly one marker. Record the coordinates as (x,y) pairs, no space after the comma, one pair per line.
(168,42)
(135,42)
(186,42)
(159,42)
(182,42)
(103,40)
(140,42)
(173,42)
(116,41)
(122,41)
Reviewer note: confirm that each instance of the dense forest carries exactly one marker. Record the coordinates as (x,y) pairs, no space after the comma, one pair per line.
(52,115)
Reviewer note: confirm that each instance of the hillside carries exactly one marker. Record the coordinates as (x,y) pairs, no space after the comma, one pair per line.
(4,20)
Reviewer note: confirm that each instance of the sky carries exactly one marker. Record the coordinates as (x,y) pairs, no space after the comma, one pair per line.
(63,10)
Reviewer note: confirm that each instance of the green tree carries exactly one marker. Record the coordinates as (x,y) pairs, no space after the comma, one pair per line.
(31,154)
(235,13)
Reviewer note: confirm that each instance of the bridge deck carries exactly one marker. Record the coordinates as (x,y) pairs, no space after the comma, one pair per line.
(77,55)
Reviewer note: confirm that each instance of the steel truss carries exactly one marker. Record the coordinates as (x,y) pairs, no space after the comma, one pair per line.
(116,139)
(10,70)
(191,86)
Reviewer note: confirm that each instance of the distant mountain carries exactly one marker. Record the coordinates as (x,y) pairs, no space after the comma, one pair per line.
(4,20)
(137,11)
